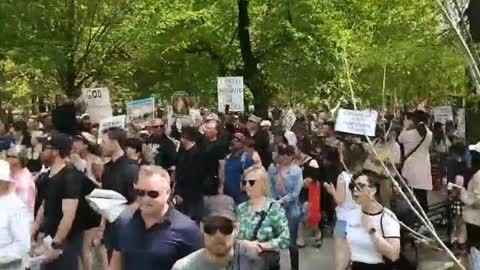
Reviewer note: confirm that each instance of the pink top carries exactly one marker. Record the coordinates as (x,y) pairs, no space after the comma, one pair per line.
(25,188)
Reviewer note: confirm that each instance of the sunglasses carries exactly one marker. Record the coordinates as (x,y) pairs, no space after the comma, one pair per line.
(151,194)
(250,182)
(360,186)
(225,227)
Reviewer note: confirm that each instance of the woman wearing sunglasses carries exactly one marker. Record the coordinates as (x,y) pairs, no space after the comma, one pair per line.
(373,232)
(263,223)
(287,182)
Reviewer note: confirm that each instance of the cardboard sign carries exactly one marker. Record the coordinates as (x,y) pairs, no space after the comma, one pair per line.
(357,122)
(230,92)
(111,122)
(98,105)
(141,111)
(443,114)
(289,119)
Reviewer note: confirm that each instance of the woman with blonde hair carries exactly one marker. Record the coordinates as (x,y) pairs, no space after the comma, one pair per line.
(263,223)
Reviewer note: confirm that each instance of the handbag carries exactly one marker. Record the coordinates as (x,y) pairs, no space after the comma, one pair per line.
(270,259)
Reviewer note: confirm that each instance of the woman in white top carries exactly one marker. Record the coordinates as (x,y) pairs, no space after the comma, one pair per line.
(353,155)
(416,139)
(373,232)
(470,196)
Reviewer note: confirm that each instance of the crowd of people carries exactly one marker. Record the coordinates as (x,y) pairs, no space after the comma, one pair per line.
(231,193)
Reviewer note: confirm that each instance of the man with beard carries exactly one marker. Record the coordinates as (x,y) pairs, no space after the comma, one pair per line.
(119,174)
(162,148)
(59,215)
(221,251)
(155,235)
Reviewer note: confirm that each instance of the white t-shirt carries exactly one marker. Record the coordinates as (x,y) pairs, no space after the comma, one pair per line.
(361,245)
(342,210)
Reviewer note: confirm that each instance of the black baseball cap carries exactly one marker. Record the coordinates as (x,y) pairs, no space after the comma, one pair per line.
(58,141)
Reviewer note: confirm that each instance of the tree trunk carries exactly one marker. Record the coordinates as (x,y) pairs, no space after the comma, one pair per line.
(254,78)
(68,72)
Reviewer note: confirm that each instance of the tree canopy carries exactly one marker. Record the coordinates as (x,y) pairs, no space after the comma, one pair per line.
(289,52)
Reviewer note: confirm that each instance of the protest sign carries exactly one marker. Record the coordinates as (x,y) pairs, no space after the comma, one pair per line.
(356,122)
(141,111)
(97,102)
(111,122)
(230,92)
(443,114)
(196,116)
(289,119)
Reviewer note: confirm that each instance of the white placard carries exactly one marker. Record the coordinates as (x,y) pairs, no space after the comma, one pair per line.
(141,111)
(111,122)
(289,119)
(196,116)
(230,92)
(443,114)
(356,122)
(98,103)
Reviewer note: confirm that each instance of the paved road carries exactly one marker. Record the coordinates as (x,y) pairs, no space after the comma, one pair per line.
(323,258)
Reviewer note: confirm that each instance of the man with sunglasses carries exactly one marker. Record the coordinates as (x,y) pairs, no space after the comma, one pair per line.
(222,251)
(163,148)
(156,235)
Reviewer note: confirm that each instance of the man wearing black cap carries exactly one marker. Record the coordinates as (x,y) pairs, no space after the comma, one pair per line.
(221,251)
(189,174)
(59,214)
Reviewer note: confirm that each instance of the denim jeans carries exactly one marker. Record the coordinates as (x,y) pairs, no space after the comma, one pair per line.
(293,222)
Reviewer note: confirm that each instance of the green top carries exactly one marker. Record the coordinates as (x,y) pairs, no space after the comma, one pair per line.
(274,228)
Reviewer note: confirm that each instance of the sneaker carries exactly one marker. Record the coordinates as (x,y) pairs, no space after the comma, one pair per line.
(300,242)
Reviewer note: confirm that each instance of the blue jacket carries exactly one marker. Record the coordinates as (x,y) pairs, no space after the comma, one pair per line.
(293,181)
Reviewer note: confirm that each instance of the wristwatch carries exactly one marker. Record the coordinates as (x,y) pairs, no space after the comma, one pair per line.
(372,231)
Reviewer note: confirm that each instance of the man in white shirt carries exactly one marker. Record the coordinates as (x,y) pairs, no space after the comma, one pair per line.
(14,224)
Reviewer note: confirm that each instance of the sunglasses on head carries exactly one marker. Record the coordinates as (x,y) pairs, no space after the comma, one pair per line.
(226,227)
(153,194)
(250,182)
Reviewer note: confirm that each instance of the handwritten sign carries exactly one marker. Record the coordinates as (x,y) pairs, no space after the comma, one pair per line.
(230,92)
(357,122)
(111,122)
(443,114)
(98,105)
(289,119)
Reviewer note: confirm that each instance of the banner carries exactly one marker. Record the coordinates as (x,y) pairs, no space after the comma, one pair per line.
(230,92)
(443,114)
(97,102)
(141,111)
(111,122)
(196,116)
(357,122)
(289,119)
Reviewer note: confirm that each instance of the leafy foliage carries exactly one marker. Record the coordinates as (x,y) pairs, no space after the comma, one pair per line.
(154,48)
